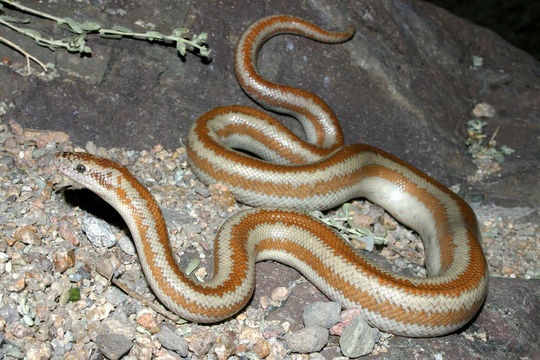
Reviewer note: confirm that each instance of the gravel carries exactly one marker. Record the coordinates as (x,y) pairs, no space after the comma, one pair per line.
(48,249)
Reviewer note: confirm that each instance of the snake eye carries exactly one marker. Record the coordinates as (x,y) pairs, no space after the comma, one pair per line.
(80,168)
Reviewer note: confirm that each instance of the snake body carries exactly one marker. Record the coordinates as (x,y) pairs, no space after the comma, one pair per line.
(289,173)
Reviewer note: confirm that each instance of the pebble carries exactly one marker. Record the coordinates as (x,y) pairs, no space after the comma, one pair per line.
(346,318)
(323,314)
(115,338)
(357,339)
(126,245)
(63,259)
(484,110)
(262,349)
(166,355)
(307,340)
(147,319)
(272,329)
(279,294)
(201,342)
(224,347)
(99,232)
(142,348)
(172,341)
(9,313)
(27,235)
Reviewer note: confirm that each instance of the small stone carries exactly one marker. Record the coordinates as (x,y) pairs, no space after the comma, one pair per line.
(272,330)
(221,196)
(115,296)
(17,283)
(126,245)
(277,352)
(323,314)
(63,260)
(264,301)
(65,230)
(224,347)
(115,338)
(143,348)
(357,339)
(99,312)
(388,222)
(147,319)
(201,273)
(279,294)
(484,110)
(27,235)
(99,233)
(346,317)
(200,343)
(19,330)
(361,220)
(307,340)
(43,352)
(262,349)
(166,355)
(11,350)
(250,336)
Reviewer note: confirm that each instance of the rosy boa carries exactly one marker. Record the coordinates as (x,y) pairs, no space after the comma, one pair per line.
(318,174)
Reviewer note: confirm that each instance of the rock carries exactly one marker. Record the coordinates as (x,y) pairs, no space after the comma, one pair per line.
(9,313)
(279,294)
(127,245)
(115,338)
(224,347)
(172,341)
(99,233)
(307,340)
(357,339)
(201,342)
(63,259)
(323,314)
(147,319)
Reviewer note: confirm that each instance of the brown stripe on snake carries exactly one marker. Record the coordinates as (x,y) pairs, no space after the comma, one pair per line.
(297,174)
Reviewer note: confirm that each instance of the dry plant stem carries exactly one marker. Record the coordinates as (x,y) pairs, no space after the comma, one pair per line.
(148,303)
(25,53)
(31,11)
(127,290)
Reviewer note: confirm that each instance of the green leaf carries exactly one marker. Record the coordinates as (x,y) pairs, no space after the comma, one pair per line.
(31,32)
(204,51)
(74,294)
(51,46)
(181,47)
(180,32)
(14,19)
(122,29)
(74,26)
(89,26)
(506,150)
(202,37)
(499,157)
(151,35)
(192,265)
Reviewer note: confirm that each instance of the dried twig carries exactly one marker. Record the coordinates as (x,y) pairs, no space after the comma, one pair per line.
(25,53)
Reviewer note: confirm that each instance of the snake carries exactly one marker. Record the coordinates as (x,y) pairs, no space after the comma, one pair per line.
(283,176)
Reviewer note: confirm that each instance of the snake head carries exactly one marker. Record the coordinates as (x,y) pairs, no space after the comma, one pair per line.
(93,172)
